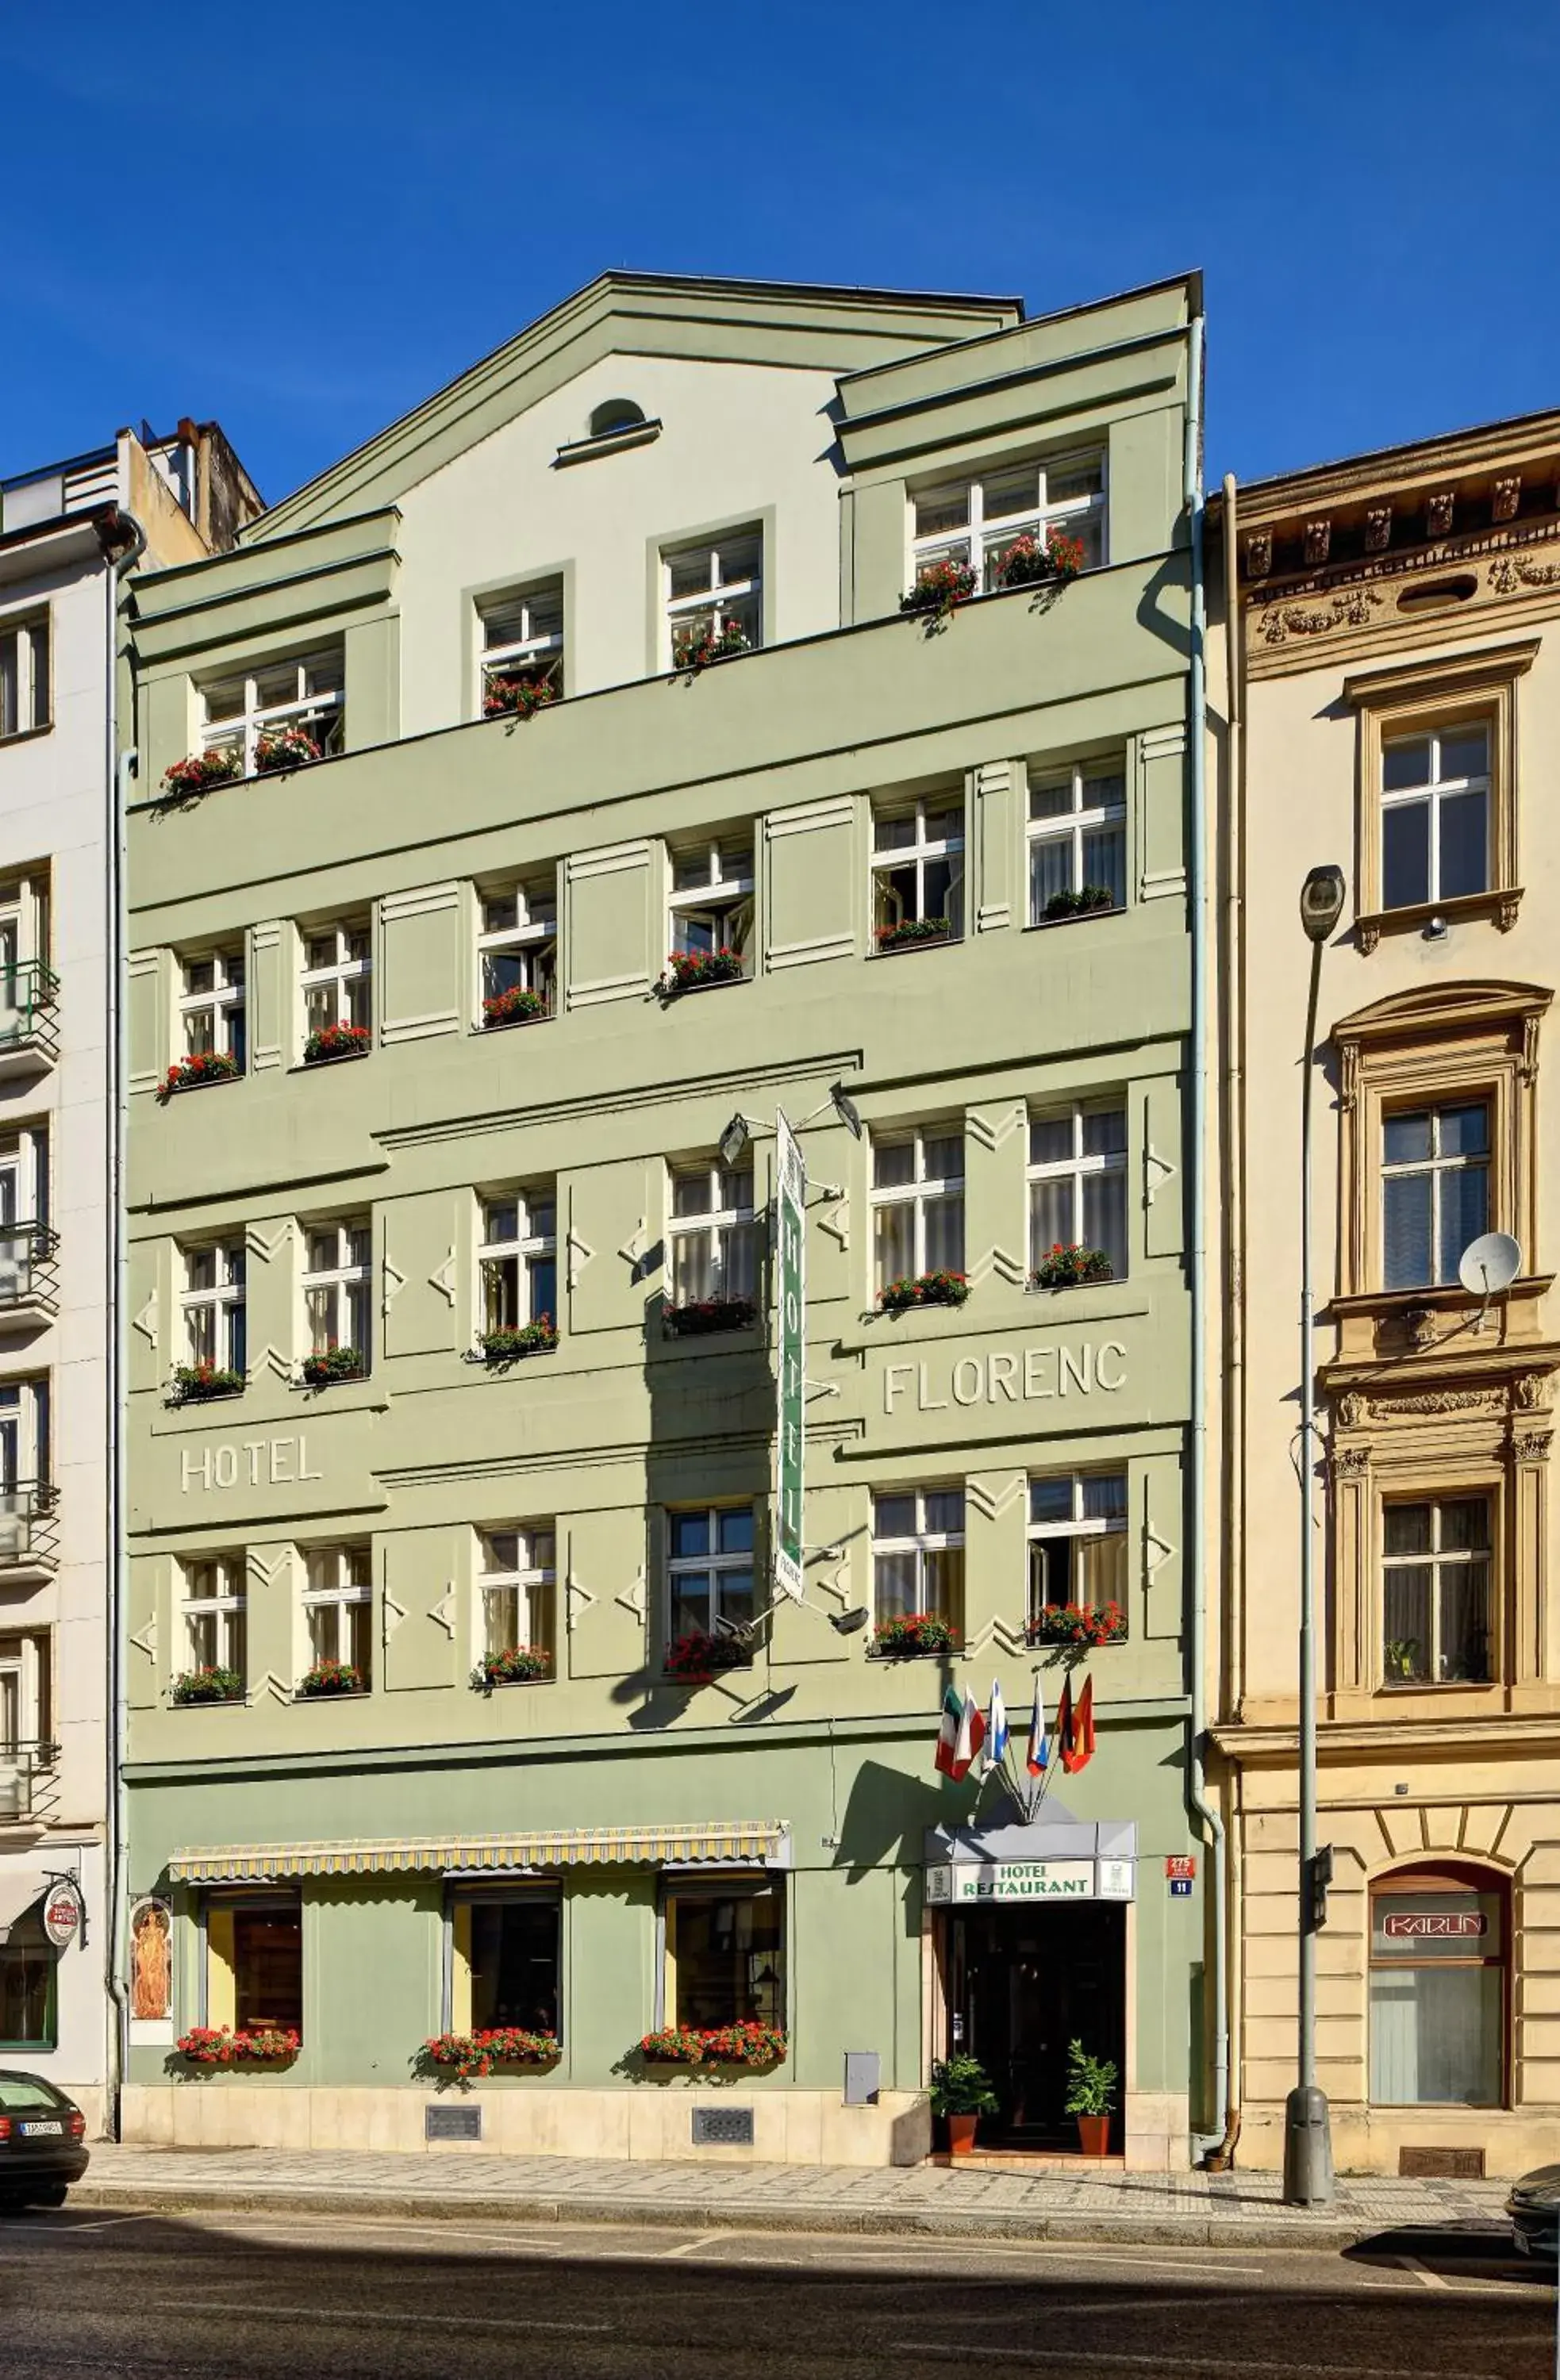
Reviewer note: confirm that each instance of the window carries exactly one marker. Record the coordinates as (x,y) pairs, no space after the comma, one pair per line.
(974,521)
(1435,815)
(712,593)
(26,1242)
(1436,1191)
(24,1723)
(1438,1990)
(522,645)
(504,1961)
(918,1203)
(25,983)
(28,1964)
(710,1568)
(212,1005)
(518,950)
(339,1605)
(26,1495)
(1077,1540)
(337,978)
(518,1579)
(245,715)
(917,872)
(1436,1618)
(725,1954)
(1078,841)
(1077,1185)
(24,674)
(213,1612)
(518,1260)
(213,1304)
(337,1262)
(711,903)
(714,1246)
(918,1553)
(254,1963)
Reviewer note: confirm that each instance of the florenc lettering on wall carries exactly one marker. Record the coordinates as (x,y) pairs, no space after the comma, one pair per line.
(254,1462)
(1003,1375)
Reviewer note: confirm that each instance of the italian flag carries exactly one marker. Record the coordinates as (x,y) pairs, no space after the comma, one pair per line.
(947,1731)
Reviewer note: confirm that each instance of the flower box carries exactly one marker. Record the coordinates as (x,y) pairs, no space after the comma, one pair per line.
(752,2045)
(673,2045)
(209,1685)
(337,1041)
(715,641)
(1027,563)
(696,970)
(910,930)
(940,588)
(697,1658)
(1087,901)
(328,1678)
(519,1665)
(289,747)
(206,1066)
(1078,1624)
(1071,1267)
(538,1338)
(705,1316)
(516,1006)
(336,1363)
(195,1384)
(924,1289)
(200,772)
(206,2044)
(465,2054)
(516,697)
(912,1635)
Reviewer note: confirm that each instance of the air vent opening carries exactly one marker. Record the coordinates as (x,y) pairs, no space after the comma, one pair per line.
(1440,594)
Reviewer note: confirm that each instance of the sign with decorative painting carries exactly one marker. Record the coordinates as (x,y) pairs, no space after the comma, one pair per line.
(62,1913)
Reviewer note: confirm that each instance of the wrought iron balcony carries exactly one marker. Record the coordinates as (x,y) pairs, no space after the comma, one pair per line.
(29,1024)
(28,1525)
(29,1780)
(29,1274)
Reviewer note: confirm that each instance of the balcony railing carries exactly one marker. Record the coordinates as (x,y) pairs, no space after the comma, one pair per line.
(29,1031)
(29,1524)
(29,1273)
(29,1780)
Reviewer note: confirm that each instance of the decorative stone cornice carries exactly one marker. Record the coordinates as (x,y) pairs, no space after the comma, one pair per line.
(1358,607)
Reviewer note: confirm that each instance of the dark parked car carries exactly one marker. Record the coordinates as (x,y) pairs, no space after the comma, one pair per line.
(1534,2209)
(42,2142)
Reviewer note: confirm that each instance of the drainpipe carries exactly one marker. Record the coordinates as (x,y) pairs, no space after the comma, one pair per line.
(1196,1792)
(124,543)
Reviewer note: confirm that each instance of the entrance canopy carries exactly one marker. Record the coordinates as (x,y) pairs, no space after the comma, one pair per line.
(717,1844)
(1055,1834)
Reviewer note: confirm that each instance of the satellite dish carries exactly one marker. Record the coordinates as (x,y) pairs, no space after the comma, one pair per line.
(1490,1264)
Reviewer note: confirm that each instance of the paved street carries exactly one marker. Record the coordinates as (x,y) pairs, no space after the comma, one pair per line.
(242,2298)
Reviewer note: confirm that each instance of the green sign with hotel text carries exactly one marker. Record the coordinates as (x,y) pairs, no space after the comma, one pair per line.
(790,1339)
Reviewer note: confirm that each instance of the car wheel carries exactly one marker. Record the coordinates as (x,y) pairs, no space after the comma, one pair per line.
(53,2196)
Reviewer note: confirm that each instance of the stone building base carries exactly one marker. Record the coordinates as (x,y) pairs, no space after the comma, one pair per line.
(1371,2140)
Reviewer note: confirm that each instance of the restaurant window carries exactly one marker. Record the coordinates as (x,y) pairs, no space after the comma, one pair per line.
(1077,1541)
(710,1568)
(337,1264)
(504,1961)
(291,709)
(518,1577)
(918,1203)
(1077,841)
(725,1954)
(337,978)
(518,950)
(24,674)
(974,521)
(1078,1190)
(711,899)
(1438,1989)
(29,1964)
(254,1964)
(213,1612)
(1436,1191)
(1436,1613)
(522,651)
(213,1304)
(917,872)
(918,1554)
(713,595)
(339,1605)
(211,1006)
(713,1244)
(517,1259)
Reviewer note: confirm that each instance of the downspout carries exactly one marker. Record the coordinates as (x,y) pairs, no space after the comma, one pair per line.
(1202,1808)
(118,769)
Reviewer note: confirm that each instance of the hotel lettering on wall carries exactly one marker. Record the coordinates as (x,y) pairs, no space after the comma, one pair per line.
(247,1463)
(1006,1375)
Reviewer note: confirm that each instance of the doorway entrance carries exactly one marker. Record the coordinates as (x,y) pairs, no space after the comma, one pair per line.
(1024,1980)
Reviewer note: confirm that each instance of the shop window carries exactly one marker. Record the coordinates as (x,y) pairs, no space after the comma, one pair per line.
(711,899)
(517,1259)
(1436,1614)
(1077,841)
(283,709)
(918,1203)
(522,655)
(917,872)
(518,950)
(254,1964)
(918,1554)
(1436,1191)
(713,595)
(974,521)
(338,1606)
(709,1569)
(1438,1989)
(213,1304)
(211,1006)
(725,1954)
(24,674)
(518,1577)
(712,1235)
(1078,1194)
(28,1964)
(505,1962)
(1077,1541)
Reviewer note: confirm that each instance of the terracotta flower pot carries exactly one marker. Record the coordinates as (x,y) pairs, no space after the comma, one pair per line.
(961,2134)
(1094,2136)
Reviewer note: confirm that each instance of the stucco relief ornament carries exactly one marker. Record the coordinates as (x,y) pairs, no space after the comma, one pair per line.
(1353,1411)
(1419,1324)
(1349,1461)
(1532,1393)
(1446,1401)
(1350,609)
(1515,571)
(1531,1445)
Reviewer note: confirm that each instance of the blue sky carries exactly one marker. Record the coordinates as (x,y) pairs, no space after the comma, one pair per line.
(302,219)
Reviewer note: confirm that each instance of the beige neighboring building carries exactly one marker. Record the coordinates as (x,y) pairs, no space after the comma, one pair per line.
(1398,704)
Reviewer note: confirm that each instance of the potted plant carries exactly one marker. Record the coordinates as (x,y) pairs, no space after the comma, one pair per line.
(519,1006)
(330,1677)
(508,1345)
(697,970)
(673,2045)
(1078,1624)
(912,1635)
(711,640)
(194,1383)
(1401,1655)
(332,1363)
(752,2045)
(201,772)
(1069,1266)
(696,1657)
(336,1041)
(285,748)
(208,2045)
(203,1066)
(519,697)
(209,1685)
(703,1315)
(923,1289)
(941,588)
(910,930)
(1091,2084)
(1027,563)
(1085,903)
(517,1665)
(465,2054)
(961,2090)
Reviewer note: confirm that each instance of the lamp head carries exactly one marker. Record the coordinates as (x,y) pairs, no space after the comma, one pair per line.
(847,1110)
(847,1623)
(733,1142)
(1322,902)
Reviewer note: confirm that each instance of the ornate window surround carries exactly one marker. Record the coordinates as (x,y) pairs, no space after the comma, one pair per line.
(1412,698)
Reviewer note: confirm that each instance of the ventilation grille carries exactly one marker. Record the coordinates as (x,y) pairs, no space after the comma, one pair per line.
(722,2128)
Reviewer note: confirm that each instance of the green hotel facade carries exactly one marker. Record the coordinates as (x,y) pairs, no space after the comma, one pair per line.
(452,1331)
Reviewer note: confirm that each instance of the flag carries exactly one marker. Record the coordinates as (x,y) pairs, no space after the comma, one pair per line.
(1065,1723)
(1038,1757)
(971,1735)
(1078,1743)
(996,1731)
(947,1731)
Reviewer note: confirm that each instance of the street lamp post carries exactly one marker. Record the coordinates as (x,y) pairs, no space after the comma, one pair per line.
(1307,2146)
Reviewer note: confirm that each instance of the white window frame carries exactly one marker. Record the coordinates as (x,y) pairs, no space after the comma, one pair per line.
(226,1302)
(343,1595)
(1071,825)
(718,1218)
(223,1600)
(522,1251)
(532,939)
(344,1274)
(531,1581)
(1430,795)
(924,849)
(921,1541)
(530,650)
(341,971)
(23,1444)
(713,1565)
(983,532)
(1077,1168)
(1079,1526)
(24,1667)
(240,731)
(1437,1168)
(24,1157)
(918,1193)
(24,627)
(23,928)
(719,898)
(720,594)
(223,1005)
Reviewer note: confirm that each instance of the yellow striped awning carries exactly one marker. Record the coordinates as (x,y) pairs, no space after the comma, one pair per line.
(718,1841)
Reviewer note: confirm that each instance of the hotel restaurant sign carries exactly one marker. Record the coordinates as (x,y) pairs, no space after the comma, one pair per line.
(963,1881)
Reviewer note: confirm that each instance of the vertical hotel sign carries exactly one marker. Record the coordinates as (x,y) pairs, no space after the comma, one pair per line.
(791,1343)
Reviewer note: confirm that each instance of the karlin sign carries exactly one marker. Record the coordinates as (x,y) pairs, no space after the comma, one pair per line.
(1007,1376)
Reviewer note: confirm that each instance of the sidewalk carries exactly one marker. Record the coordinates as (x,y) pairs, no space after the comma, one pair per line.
(1191,2209)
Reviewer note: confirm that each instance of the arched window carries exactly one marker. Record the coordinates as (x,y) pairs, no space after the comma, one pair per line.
(1439,2000)
(616,413)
